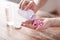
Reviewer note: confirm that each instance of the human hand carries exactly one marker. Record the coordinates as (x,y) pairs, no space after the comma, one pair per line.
(26,4)
(32,24)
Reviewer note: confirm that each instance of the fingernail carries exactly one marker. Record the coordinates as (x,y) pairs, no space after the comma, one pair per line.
(24,24)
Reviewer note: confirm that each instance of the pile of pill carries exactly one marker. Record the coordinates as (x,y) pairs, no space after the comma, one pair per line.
(38,22)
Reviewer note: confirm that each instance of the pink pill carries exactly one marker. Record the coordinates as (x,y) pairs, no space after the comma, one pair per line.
(38,22)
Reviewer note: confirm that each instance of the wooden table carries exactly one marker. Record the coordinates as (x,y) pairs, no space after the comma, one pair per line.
(10,33)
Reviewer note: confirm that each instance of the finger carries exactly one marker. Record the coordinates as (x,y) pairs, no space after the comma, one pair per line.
(30,21)
(32,5)
(20,3)
(26,22)
(29,26)
(29,5)
(23,5)
(22,23)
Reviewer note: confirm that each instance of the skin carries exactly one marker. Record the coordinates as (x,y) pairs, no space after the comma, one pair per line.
(47,22)
(33,6)
(29,24)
